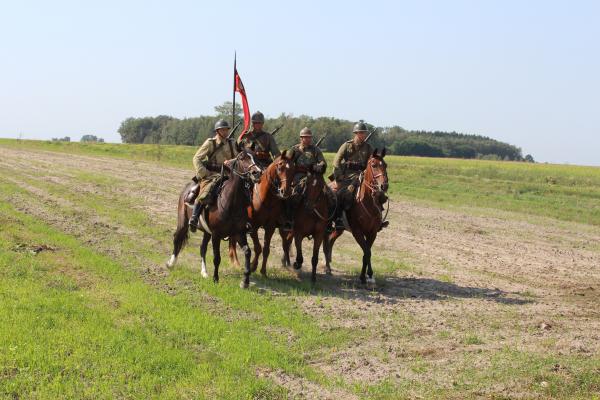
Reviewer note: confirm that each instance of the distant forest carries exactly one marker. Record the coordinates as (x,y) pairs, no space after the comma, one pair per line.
(193,131)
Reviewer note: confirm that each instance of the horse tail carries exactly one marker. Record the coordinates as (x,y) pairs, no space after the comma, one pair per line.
(181,235)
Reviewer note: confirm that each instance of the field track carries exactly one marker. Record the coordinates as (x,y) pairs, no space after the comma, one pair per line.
(469,302)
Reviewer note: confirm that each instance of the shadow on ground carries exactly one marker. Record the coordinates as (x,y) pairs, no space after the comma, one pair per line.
(388,289)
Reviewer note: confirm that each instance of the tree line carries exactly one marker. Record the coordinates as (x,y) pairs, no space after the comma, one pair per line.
(165,129)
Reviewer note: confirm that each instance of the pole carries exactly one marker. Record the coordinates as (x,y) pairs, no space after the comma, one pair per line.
(234,75)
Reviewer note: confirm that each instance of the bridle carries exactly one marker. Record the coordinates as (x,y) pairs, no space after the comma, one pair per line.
(274,183)
(375,187)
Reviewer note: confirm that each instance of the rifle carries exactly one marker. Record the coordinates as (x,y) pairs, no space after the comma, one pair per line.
(276,130)
(233,130)
(320,140)
(371,134)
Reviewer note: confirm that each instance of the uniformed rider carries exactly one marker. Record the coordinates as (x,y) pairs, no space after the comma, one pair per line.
(265,146)
(208,162)
(308,158)
(350,160)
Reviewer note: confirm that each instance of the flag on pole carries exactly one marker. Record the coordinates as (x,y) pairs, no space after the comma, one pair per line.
(239,87)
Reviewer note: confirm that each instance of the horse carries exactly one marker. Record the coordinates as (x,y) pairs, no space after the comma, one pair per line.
(365,215)
(311,219)
(225,218)
(266,207)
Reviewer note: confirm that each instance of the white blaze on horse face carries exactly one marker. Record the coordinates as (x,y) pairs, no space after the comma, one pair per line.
(287,165)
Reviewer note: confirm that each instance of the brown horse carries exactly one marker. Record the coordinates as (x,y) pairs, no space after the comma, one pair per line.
(311,219)
(365,216)
(266,206)
(226,217)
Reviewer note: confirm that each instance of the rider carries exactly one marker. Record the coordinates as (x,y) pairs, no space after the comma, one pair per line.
(308,159)
(350,160)
(208,162)
(264,143)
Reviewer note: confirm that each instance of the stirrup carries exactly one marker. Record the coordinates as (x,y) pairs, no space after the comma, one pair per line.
(384,224)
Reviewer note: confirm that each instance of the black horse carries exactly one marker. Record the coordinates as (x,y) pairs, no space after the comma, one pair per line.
(227,217)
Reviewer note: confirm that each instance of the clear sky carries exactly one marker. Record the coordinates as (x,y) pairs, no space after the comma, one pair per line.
(525,72)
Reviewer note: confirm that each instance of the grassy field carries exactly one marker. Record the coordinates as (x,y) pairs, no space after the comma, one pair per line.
(570,193)
(487,287)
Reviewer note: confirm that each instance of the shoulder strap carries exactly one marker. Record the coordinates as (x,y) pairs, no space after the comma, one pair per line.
(213,150)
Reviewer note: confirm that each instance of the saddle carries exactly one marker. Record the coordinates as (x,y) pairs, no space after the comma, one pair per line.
(214,192)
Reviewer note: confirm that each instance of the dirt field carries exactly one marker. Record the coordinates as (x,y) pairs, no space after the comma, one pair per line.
(468,302)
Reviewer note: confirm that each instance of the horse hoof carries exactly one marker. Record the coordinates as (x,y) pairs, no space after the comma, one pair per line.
(244,285)
(263,272)
(371,282)
(216,280)
(171,263)
(328,271)
(204,274)
(253,268)
(297,265)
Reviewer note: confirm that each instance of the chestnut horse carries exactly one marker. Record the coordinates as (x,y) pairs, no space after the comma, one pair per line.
(311,219)
(267,205)
(365,217)
(227,216)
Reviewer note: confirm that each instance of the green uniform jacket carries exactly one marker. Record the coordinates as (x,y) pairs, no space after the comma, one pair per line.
(213,152)
(309,156)
(264,143)
(349,151)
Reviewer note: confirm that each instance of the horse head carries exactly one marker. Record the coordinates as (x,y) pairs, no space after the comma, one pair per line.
(281,173)
(376,173)
(244,166)
(314,187)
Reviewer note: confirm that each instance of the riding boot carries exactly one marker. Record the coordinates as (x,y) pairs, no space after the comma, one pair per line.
(193,223)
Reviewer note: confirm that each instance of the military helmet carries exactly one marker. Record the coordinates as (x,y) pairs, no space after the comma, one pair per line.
(305,132)
(360,127)
(220,124)
(258,117)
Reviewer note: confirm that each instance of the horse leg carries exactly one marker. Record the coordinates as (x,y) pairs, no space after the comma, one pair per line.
(266,249)
(370,241)
(244,243)
(180,236)
(362,242)
(328,249)
(299,258)
(203,248)
(216,242)
(233,252)
(285,244)
(257,249)
(318,239)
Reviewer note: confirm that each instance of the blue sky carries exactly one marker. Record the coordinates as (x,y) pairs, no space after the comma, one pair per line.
(522,72)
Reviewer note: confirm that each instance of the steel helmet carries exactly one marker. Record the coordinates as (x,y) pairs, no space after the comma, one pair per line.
(220,124)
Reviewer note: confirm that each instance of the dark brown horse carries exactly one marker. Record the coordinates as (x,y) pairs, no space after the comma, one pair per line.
(267,205)
(311,219)
(227,216)
(365,217)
